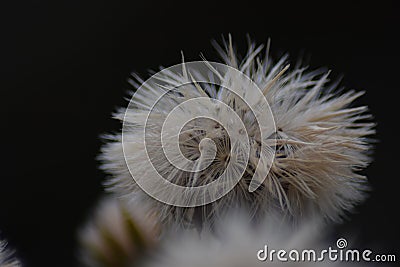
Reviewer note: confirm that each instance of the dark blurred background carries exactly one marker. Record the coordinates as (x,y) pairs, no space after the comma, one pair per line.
(64,66)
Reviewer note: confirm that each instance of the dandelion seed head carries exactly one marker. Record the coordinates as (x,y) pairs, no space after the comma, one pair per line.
(116,236)
(314,148)
(237,242)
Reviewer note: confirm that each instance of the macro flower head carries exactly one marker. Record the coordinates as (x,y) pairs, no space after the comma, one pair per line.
(116,236)
(236,241)
(310,154)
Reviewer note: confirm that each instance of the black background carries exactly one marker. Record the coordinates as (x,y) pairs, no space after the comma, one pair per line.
(64,66)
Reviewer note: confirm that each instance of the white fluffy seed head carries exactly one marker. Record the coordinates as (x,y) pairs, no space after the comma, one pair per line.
(117,236)
(6,256)
(235,242)
(321,144)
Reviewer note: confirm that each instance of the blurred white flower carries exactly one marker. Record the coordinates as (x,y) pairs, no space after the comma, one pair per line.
(321,144)
(115,236)
(6,256)
(237,242)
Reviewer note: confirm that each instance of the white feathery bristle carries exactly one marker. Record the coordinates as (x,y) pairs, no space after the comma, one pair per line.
(6,256)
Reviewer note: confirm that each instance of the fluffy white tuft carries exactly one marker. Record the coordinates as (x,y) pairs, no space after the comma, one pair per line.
(115,236)
(236,243)
(321,145)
